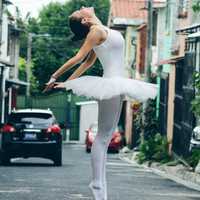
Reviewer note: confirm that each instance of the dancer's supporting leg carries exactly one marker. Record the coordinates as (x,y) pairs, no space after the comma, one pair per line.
(108,117)
(105,158)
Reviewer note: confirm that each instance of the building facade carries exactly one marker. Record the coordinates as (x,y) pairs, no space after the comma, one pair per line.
(9,55)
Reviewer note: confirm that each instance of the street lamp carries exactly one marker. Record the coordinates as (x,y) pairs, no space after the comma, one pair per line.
(149,8)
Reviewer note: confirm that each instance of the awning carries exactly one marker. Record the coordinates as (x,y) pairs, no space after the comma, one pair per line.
(171,60)
(189,29)
(17,82)
(194,35)
(4,62)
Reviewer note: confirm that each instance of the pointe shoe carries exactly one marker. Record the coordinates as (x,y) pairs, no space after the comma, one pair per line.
(97,192)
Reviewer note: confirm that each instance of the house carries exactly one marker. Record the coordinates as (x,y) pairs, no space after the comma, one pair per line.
(174,67)
(9,55)
(131,18)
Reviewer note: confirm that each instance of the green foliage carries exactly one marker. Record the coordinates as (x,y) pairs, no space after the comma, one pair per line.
(150,124)
(155,148)
(194,158)
(195,103)
(49,53)
(22,75)
(22,69)
(196,5)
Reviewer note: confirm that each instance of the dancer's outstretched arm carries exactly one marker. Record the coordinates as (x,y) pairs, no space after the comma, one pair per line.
(84,66)
(92,39)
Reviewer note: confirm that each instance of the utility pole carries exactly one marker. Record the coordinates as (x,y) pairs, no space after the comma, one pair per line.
(148,59)
(28,63)
(149,40)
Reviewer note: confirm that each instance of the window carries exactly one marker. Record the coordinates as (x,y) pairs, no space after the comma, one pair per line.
(168,16)
(183,8)
(36,119)
(9,40)
(155,22)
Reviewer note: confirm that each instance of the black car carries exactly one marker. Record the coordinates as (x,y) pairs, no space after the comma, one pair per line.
(31,133)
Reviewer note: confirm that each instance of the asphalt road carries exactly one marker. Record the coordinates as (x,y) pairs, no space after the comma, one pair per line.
(38,179)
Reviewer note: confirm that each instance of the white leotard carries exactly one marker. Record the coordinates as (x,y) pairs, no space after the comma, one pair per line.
(111,54)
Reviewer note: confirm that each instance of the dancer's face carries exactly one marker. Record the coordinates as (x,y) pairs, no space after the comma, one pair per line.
(84,12)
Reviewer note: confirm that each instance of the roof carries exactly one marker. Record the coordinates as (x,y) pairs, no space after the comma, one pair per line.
(34,110)
(171,60)
(134,9)
(128,9)
(86,103)
(17,82)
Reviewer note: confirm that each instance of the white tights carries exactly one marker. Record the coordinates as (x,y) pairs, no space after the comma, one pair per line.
(108,117)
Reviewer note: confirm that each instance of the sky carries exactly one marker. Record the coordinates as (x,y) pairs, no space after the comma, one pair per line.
(32,6)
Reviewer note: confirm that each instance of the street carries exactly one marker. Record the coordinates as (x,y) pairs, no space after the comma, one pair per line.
(38,179)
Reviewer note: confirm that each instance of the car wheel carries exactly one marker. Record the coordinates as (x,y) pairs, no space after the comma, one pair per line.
(117,151)
(88,150)
(58,158)
(5,160)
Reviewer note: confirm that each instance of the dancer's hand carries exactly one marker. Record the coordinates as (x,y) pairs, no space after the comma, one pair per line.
(59,85)
(50,84)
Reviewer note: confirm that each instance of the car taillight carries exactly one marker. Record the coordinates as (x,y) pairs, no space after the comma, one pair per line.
(90,135)
(117,139)
(54,129)
(8,129)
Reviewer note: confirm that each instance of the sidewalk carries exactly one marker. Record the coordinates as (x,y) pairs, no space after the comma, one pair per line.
(178,173)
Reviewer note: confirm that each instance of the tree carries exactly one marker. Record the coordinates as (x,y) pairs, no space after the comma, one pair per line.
(196,5)
(22,76)
(49,53)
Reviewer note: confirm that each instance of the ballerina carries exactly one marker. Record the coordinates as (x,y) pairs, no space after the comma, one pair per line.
(109,90)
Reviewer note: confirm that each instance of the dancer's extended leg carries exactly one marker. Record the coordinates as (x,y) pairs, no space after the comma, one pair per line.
(108,117)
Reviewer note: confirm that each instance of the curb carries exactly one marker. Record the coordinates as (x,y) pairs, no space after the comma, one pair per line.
(163,174)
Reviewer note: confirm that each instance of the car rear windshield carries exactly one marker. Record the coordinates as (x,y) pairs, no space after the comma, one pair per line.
(32,118)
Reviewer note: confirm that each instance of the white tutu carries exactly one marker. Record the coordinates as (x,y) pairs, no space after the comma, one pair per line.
(107,87)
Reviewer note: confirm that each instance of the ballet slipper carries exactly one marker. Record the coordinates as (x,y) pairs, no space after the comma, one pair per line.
(97,192)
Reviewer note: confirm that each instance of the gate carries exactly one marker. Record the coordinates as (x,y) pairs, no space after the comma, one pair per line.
(163,107)
(184,120)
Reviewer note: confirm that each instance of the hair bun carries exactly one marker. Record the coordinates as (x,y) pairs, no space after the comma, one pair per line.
(80,31)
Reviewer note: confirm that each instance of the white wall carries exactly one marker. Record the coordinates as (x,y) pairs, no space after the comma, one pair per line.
(88,115)
(4,38)
(4,56)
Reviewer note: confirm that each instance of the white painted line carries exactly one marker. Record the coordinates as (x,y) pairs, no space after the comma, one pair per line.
(15,191)
(182,194)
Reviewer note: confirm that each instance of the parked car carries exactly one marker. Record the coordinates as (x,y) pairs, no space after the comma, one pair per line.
(31,133)
(116,142)
(195,139)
